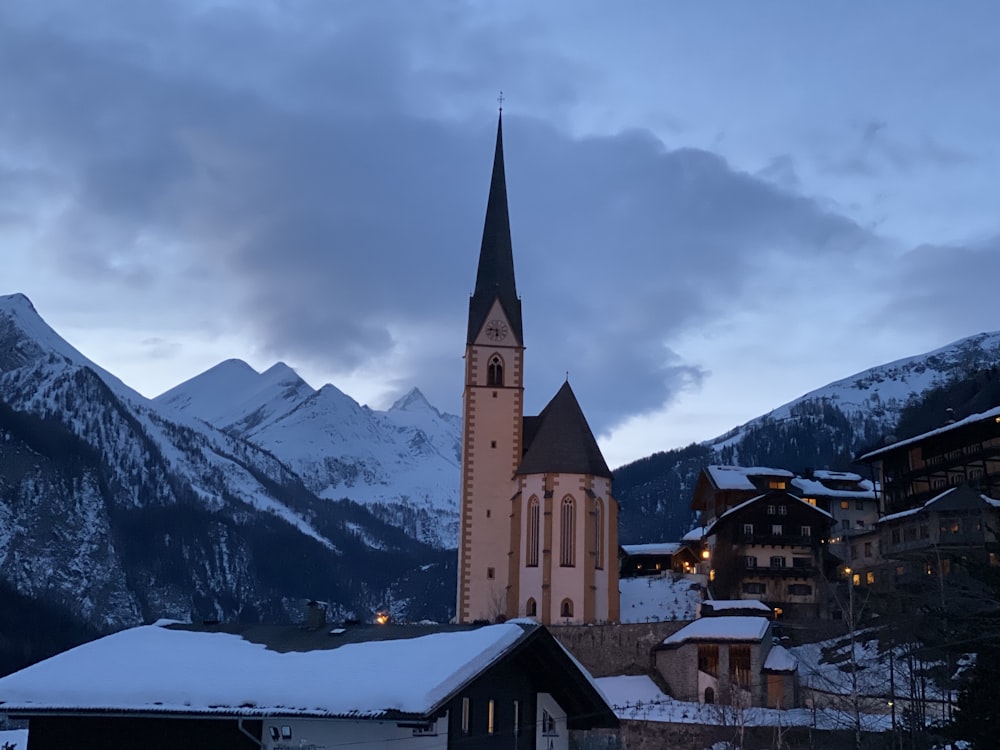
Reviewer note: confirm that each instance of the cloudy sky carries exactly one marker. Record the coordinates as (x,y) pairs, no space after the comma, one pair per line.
(715,207)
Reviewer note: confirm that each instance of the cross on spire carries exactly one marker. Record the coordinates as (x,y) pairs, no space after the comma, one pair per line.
(500,100)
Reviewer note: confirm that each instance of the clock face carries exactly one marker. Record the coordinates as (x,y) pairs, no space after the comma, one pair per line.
(496,330)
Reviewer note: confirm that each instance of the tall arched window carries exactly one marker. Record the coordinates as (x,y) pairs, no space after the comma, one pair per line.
(531,556)
(530,608)
(598,534)
(494,371)
(566,610)
(567,538)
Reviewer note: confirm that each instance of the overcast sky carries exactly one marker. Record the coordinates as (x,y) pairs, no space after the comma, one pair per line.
(715,207)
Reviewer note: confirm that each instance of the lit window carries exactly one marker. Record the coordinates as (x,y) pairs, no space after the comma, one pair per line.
(856,579)
(489,717)
(810,500)
(844,504)
(776,485)
(870,577)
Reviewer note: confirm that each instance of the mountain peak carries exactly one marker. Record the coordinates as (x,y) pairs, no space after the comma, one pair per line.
(413,400)
(17,300)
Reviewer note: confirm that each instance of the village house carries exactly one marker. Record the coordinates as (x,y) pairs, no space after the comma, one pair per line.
(772,548)
(656,558)
(282,687)
(731,660)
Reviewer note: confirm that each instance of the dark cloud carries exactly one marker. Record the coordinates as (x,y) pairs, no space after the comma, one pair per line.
(304,169)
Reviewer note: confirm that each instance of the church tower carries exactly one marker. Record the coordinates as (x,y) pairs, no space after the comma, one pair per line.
(492,408)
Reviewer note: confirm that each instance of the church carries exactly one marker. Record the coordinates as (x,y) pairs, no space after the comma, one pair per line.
(538,531)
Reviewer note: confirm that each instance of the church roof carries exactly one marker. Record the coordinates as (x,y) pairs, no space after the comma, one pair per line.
(560,440)
(495,276)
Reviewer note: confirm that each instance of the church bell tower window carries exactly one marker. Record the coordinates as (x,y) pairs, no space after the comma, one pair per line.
(494,371)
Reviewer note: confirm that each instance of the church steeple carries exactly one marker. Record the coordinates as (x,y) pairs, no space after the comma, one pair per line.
(495,276)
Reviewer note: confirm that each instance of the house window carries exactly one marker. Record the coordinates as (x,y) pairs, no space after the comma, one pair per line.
(517,718)
(859,504)
(491,573)
(754,587)
(489,717)
(806,530)
(776,529)
(868,549)
(531,558)
(530,608)
(494,371)
(709,696)
(567,550)
(771,510)
(777,561)
(739,665)
(856,579)
(273,731)
(548,724)
(870,577)
(566,609)
(708,658)
(286,732)
(750,561)
(782,510)
(776,485)
(598,535)
(810,500)
(844,504)
(466,711)
(748,529)
(800,589)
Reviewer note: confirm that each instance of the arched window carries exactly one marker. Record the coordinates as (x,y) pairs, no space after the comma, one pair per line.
(567,549)
(709,695)
(566,609)
(530,608)
(531,556)
(598,534)
(494,371)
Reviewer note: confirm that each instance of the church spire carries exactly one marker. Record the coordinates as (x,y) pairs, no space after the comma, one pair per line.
(495,277)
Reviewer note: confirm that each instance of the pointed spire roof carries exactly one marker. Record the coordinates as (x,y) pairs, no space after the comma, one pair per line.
(560,440)
(495,277)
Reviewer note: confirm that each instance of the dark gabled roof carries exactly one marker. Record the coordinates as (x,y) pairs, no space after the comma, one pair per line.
(495,276)
(562,441)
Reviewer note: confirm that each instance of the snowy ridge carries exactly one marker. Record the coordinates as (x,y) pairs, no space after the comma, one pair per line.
(404,462)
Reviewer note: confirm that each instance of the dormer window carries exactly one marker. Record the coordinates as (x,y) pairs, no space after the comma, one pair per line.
(494,371)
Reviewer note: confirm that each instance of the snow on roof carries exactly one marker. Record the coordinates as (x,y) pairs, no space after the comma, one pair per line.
(913,511)
(847,476)
(735,628)
(721,604)
(738,477)
(780,659)
(865,490)
(981,417)
(694,535)
(655,548)
(624,690)
(163,670)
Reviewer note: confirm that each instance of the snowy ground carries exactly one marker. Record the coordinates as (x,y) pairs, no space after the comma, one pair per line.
(639,698)
(657,599)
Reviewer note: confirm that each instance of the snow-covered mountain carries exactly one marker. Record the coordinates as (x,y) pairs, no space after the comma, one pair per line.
(402,463)
(117,509)
(825,428)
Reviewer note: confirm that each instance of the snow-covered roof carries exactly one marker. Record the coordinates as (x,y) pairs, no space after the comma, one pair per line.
(738,477)
(847,476)
(865,489)
(780,659)
(937,498)
(981,417)
(655,548)
(153,669)
(735,628)
(718,605)
(694,535)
